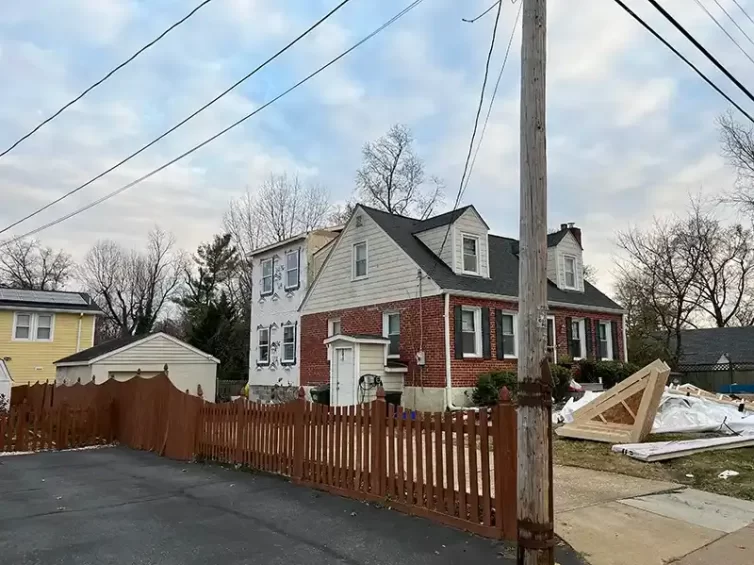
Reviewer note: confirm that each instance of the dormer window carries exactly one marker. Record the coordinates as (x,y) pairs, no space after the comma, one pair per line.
(470,254)
(569,264)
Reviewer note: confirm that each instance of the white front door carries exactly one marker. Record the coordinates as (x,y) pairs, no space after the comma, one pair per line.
(343,389)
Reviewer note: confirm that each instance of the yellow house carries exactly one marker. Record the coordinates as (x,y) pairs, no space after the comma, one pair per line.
(39,327)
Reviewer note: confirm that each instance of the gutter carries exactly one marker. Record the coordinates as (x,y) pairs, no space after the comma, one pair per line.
(448,380)
(78,333)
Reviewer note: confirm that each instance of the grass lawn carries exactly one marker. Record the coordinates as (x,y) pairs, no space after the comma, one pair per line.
(703,466)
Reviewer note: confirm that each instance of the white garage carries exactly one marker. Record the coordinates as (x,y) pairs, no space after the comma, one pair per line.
(146,356)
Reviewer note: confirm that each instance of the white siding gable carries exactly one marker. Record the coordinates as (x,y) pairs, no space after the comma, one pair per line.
(433,239)
(391,274)
(471,224)
(159,350)
(568,246)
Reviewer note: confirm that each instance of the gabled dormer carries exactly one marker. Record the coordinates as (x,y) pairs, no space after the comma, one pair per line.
(464,233)
(565,262)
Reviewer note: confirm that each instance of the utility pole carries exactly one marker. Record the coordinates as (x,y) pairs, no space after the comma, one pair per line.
(535,506)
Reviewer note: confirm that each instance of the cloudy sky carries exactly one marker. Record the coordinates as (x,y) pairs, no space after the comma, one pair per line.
(631,130)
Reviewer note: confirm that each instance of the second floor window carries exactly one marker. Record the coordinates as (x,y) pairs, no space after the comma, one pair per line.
(570,271)
(33,327)
(291,269)
(470,254)
(267,275)
(360,260)
(264,346)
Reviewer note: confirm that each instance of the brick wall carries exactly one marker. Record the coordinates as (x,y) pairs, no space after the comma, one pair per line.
(315,367)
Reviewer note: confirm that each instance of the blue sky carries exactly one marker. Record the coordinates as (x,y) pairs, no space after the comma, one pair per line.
(631,130)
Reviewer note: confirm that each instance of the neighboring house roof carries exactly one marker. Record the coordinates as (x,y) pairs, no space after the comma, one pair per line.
(708,345)
(503,265)
(298,237)
(11,298)
(109,348)
(442,219)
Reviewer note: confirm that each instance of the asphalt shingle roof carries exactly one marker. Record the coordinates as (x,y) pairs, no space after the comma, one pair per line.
(707,345)
(101,349)
(503,264)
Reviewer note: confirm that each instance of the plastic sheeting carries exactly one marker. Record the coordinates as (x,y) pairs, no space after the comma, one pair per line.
(679,413)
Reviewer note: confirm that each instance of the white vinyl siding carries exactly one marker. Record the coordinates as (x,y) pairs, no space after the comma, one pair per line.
(156,350)
(471,225)
(433,240)
(392,275)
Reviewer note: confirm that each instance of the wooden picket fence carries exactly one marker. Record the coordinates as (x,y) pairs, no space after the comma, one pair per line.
(455,468)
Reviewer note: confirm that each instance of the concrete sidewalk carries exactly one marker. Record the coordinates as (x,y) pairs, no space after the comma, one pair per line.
(619,520)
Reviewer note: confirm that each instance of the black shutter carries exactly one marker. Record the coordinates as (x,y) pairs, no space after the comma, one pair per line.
(486,346)
(588,336)
(499,333)
(459,332)
(569,335)
(298,270)
(600,353)
(614,328)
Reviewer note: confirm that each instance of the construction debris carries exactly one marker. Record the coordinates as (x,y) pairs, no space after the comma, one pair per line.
(663,450)
(625,413)
(728,474)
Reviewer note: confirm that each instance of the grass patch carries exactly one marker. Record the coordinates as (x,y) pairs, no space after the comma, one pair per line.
(703,466)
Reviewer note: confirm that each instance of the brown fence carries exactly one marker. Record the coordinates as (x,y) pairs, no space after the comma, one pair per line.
(459,469)
(456,468)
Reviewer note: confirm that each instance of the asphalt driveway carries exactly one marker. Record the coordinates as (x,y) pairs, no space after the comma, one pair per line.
(118,506)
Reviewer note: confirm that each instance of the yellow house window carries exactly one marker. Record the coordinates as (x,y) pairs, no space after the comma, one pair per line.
(28,326)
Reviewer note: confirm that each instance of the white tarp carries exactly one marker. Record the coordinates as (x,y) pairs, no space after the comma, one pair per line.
(679,413)
(662,450)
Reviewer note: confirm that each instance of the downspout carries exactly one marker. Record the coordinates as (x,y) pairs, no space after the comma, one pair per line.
(78,333)
(625,341)
(448,381)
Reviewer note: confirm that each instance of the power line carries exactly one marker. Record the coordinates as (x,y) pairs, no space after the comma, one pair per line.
(476,125)
(696,44)
(735,23)
(487,11)
(684,59)
(222,132)
(492,98)
(744,11)
(725,31)
(184,121)
(103,79)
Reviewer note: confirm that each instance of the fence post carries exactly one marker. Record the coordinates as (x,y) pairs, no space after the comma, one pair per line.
(506,465)
(378,443)
(298,435)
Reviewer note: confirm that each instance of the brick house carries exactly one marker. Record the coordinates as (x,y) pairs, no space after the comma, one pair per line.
(442,294)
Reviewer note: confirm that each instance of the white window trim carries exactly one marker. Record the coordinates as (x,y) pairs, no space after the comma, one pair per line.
(554,338)
(259,346)
(283,358)
(582,338)
(386,330)
(565,273)
(33,325)
(477,331)
(297,269)
(606,355)
(331,325)
(515,334)
(478,259)
(353,261)
(264,292)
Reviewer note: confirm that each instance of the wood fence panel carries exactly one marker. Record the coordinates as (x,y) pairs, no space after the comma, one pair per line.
(461,462)
(484,452)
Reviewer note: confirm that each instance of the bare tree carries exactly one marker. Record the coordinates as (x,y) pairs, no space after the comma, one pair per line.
(590,274)
(738,147)
(658,262)
(27,264)
(392,176)
(726,263)
(132,287)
